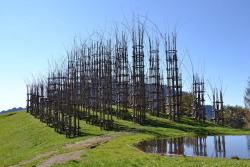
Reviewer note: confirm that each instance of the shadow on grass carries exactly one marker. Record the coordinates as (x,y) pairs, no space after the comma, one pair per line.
(197,128)
(79,134)
(185,125)
(118,127)
(8,115)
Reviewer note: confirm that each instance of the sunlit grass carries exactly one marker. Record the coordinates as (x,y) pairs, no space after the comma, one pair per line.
(119,152)
(22,137)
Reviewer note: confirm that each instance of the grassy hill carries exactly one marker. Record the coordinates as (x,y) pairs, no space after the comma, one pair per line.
(12,110)
(26,141)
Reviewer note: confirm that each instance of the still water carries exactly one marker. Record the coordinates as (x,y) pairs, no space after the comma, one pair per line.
(210,146)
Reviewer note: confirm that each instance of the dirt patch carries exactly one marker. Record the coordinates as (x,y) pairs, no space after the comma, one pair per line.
(82,145)
(61,158)
(92,141)
(35,158)
(88,143)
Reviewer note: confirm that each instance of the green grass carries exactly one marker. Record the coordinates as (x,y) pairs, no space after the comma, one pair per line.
(22,137)
(118,152)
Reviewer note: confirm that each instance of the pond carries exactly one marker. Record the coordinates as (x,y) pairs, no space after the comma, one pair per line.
(209,146)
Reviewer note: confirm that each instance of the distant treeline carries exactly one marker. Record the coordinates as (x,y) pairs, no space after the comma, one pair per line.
(12,110)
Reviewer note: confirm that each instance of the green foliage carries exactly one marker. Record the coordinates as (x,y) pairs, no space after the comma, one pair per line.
(235,116)
(247,102)
(235,157)
(186,104)
(247,95)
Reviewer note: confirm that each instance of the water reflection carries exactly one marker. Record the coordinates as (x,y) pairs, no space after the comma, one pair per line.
(248,142)
(211,146)
(219,146)
(200,146)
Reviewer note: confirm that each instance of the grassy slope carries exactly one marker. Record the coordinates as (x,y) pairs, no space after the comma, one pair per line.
(22,137)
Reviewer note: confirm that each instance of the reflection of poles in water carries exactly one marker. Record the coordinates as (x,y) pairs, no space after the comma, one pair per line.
(248,142)
(161,146)
(180,146)
(219,144)
(200,146)
(155,146)
(176,146)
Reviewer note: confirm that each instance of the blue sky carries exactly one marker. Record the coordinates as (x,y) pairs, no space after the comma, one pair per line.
(215,33)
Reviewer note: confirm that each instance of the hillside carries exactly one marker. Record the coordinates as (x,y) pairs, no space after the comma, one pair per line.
(26,141)
(209,111)
(12,110)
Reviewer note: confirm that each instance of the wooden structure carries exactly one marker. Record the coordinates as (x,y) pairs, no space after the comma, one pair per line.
(121,70)
(174,82)
(101,79)
(218,108)
(154,99)
(198,101)
(138,80)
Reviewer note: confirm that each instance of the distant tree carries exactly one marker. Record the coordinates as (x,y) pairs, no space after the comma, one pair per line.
(186,104)
(247,98)
(235,116)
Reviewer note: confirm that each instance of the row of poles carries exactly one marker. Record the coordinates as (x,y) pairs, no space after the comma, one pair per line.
(99,80)
(198,102)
